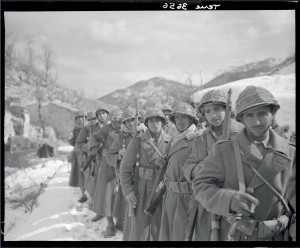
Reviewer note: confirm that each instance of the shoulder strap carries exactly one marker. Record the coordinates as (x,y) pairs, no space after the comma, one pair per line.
(239,165)
(138,151)
(273,189)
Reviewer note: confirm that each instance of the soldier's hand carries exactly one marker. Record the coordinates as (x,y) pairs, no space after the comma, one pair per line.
(243,203)
(161,162)
(131,198)
(282,223)
(94,151)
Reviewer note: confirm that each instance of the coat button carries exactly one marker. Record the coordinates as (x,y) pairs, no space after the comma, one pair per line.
(246,237)
(150,189)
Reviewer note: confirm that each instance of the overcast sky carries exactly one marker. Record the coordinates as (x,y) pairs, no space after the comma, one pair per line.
(99,52)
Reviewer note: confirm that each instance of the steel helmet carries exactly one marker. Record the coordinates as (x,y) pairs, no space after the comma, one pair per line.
(154,112)
(101,108)
(128,113)
(254,96)
(90,115)
(79,114)
(116,114)
(166,108)
(184,108)
(214,96)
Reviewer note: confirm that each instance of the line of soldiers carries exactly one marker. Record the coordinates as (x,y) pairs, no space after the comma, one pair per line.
(166,179)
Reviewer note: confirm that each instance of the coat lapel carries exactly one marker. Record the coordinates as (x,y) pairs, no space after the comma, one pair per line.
(268,166)
(177,146)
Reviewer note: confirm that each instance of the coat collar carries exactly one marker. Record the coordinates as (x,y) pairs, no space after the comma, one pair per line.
(275,160)
(150,152)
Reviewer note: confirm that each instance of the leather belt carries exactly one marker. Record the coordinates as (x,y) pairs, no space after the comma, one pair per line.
(179,187)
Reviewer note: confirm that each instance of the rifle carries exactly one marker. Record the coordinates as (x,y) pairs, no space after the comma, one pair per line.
(131,211)
(117,169)
(88,162)
(215,222)
(159,187)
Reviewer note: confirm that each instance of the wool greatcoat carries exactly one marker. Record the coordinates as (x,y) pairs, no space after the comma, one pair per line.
(97,161)
(200,150)
(82,146)
(217,181)
(170,129)
(103,197)
(176,204)
(142,227)
(75,179)
(122,140)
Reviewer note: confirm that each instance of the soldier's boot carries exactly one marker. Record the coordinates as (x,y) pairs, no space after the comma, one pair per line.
(97,217)
(110,230)
(120,224)
(83,198)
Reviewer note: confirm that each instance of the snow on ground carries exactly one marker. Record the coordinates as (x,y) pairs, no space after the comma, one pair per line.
(58,216)
(283,87)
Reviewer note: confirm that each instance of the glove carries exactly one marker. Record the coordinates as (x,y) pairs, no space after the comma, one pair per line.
(94,151)
(161,162)
(282,223)
(243,203)
(70,136)
(131,199)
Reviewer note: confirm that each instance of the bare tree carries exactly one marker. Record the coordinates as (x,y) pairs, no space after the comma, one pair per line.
(47,59)
(184,92)
(9,51)
(40,97)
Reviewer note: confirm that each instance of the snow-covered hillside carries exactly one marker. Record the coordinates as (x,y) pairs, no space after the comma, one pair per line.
(283,88)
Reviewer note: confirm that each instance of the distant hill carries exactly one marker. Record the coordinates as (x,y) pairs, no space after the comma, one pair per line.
(260,68)
(157,90)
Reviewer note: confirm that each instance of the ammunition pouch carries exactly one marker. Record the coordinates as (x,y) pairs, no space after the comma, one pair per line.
(179,187)
(145,173)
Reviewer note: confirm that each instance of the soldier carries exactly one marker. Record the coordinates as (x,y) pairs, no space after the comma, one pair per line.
(246,179)
(103,202)
(81,145)
(212,106)
(115,154)
(139,152)
(102,114)
(179,191)
(169,127)
(76,180)
(102,117)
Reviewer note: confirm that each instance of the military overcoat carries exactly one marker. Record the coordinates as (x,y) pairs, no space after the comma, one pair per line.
(75,179)
(81,145)
(142,227)
(176,203)
(122,140)
(171,129)
(217,181)
(103,197)
(200,150)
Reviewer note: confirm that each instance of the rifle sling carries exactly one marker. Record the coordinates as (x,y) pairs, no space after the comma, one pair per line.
(239,165)
(236,147)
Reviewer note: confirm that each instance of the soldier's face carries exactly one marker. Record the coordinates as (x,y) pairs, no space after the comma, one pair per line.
(79,120)
(130,124)
(214,113)
(258,120)
(93,121)
(102,116)
(155,124)
(167,114)
(182,122)
(116,124)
